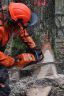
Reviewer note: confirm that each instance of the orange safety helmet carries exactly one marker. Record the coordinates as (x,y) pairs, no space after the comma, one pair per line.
(21,11)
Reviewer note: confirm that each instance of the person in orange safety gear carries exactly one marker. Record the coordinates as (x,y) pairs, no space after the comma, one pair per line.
(18,15)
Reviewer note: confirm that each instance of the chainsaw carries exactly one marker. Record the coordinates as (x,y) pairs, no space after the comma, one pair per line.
(28,59)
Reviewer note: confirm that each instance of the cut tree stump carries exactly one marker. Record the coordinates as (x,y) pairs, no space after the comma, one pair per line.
(44,72)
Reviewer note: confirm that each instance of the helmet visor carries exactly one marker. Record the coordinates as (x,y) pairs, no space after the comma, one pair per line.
(33,20)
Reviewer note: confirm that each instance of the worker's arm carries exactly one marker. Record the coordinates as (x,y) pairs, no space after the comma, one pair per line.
(4,59)
(26,38)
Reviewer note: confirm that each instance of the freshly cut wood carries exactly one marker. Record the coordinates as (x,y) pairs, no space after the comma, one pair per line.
(48,56)
(39,91)
(47,70)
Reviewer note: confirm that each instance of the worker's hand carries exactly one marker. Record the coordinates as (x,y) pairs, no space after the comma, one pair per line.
(19,61)
(37,53)
(8,61)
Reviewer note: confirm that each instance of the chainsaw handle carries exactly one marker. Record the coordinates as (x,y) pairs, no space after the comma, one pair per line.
(39,55)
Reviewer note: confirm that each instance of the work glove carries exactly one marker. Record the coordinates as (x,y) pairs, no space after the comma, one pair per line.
(24,59)
(8,62)
(37,53)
